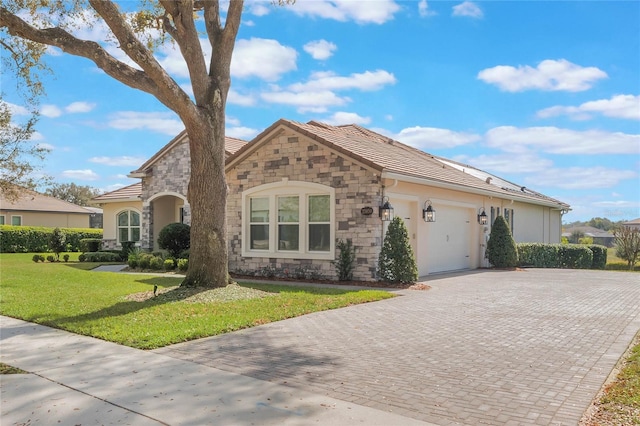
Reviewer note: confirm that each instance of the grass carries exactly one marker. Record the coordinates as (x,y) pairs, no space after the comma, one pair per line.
(100,304)
(7,369)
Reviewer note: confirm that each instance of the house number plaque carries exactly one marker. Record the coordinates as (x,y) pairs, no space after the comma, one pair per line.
(366,211)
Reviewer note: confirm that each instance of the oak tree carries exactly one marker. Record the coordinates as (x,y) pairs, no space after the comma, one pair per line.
(178,22)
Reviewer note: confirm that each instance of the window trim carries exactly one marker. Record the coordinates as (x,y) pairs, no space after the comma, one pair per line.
(19,216)
(4,219)
(118,213)
(282,189)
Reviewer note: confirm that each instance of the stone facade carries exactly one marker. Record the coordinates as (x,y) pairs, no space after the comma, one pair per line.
(170,174)
(299,158)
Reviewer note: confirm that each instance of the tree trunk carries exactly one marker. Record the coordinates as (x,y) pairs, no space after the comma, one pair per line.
(207,195)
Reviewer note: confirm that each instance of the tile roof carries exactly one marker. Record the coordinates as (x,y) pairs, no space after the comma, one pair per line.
(131,192)
(34,201)
(387,155)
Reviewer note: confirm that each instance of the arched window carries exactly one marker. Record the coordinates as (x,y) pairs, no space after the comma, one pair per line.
(289,219)
(128,224)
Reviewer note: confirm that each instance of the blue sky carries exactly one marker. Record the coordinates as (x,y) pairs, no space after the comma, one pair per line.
(545,94)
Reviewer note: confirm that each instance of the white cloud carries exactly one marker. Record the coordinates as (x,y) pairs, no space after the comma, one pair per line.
(423,9)
(16,109)
(160,122)
(259,8)
(562,141)
(468,8)
(580,177)
(262,58)
(118,161)
(362,12)
(523,163)
(428,138)
(36,136)
(240,132)
(320,49)
(79,107)
(619,106)
(50,111)
(549,75)
(113,187)
(46,146)
(86,174)
(236,98)
(311,101)
(328,80)
(340,117)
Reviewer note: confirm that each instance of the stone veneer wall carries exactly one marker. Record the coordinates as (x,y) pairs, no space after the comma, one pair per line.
(170,174)
(299,158)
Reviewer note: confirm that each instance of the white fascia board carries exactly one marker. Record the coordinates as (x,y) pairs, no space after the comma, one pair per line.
(445,185)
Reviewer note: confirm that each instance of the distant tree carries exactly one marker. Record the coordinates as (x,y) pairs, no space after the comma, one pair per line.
(601,223)
(19,154)
(501,248)
(76,194)
(397,262)
(627,244)
(585,240)
(575,237)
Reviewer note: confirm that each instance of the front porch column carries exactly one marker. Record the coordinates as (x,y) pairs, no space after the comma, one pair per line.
(146,237)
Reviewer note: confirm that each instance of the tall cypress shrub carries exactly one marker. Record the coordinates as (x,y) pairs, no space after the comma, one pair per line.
(501,248)
(397,262)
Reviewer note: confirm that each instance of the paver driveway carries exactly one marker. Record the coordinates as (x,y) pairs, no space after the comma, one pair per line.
(492,347)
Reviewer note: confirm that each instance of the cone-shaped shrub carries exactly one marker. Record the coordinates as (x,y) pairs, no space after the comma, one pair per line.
(501,248)
(397,263)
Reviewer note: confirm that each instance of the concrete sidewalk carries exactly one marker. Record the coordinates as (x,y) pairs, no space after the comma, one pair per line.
(82,380)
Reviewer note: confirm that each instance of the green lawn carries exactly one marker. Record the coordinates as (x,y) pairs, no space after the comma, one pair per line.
(73,298)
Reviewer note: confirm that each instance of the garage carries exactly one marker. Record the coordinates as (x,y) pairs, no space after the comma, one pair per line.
(449,239)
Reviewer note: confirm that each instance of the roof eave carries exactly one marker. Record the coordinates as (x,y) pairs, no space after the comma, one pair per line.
(446,185)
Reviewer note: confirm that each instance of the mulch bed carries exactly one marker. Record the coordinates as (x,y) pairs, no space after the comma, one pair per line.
(374,284)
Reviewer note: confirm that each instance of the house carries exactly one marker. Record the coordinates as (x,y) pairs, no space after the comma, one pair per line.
(35,209)
(633,224)
(599,236)
(298,188)
(138,212)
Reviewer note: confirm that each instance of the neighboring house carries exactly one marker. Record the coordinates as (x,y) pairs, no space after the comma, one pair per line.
(298,188)
(599,236)
(35,209)
(635,223)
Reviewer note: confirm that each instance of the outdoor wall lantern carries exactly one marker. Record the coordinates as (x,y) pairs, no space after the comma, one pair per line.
(482,216)
(428,212)
(385,210)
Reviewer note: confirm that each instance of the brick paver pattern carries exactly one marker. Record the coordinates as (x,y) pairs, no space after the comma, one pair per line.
(491,347)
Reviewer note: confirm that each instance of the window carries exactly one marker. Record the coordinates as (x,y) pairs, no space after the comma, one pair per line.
(128,224)
(16,220)
(290,220)
(1,219)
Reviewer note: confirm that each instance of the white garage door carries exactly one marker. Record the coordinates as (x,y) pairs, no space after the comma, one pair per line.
(449,239)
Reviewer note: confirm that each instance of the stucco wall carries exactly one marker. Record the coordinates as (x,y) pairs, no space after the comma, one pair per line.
(299,158)
(109,213)
(48,219)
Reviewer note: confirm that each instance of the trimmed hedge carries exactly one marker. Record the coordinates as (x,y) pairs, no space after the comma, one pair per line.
(100,256)
(90,244)
(35,239)
(570,256)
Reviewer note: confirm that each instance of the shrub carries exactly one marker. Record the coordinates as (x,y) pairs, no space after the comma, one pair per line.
(51,258)
(175,238)
(100,256)
(57,242)
(156,263)
(66,257)
(397,263)
(144,260)
(538,255)
(627,244)
(90,244)
(36,258)
(184,254)
(34,239)
(501,248)
(599,256)
(127,246)
(169,265)
(346,262)
(574,256)
(183,265)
